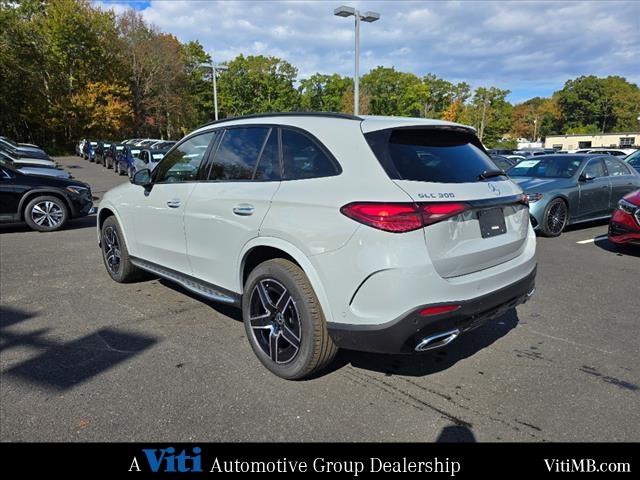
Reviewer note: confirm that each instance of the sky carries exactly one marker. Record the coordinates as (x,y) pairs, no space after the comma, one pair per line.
(528,47)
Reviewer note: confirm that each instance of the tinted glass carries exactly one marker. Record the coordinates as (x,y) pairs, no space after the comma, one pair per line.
(304,158)
(616,168)
(503,163)
(550,166)
(182,163)
(431,155)
(634,159)
(237,154)
(595,168)
(269,165)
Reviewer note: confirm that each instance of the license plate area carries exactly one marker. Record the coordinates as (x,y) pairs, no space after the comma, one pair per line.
(491,222)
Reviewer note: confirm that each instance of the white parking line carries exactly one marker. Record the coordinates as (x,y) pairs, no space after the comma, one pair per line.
(591,240)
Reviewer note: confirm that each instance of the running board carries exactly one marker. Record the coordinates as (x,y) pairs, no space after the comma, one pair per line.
(199,287)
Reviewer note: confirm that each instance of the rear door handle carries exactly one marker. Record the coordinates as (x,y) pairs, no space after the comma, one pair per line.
(174,203)
(244,209)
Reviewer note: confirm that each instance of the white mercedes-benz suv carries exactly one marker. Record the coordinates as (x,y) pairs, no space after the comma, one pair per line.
(381,234)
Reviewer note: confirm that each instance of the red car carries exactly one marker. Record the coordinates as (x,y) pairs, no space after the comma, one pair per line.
(625,223)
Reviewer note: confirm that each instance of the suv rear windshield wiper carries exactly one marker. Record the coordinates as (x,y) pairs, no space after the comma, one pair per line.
(491,173)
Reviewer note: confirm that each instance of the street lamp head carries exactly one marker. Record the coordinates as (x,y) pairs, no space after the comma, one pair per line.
(344,11)
(370,17)
(205,65)
(222,68)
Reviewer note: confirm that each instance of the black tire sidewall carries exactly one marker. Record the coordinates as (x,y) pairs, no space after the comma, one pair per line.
(298,366)
(58,201)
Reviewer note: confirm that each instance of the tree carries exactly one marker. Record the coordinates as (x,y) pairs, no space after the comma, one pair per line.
(256,84)
(589,103)
(444,96)
(324,93)
(490,113)
(393,93)
(102,110)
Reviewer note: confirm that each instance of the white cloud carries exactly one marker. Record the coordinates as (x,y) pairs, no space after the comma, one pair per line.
(523,46)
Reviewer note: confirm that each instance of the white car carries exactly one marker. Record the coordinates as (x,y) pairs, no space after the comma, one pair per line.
(617,152)
(380,234)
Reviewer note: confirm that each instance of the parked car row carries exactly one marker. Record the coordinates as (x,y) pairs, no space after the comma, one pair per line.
(126,157)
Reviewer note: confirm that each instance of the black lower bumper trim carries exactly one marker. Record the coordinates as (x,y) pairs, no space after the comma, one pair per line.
(403,334)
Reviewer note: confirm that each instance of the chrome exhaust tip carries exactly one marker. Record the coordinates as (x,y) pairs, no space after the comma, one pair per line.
(436,341)
(531,292)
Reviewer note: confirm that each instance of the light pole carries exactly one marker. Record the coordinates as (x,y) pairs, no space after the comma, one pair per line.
(214,73)
(368,17)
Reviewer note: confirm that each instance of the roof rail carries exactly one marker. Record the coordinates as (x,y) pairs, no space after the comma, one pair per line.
(344,116)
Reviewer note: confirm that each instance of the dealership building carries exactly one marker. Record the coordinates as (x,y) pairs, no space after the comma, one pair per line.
(609,140)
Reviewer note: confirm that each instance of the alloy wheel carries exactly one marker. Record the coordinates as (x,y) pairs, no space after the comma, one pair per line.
(275,321)
(111,250)
(47,214)
(557,217)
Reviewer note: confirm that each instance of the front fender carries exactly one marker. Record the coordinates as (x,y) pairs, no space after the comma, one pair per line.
(298,256)
(129,237)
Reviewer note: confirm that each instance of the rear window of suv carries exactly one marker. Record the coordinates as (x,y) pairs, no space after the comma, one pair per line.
(430,155)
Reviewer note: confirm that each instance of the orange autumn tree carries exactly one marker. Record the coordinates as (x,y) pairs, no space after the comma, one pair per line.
(103,110)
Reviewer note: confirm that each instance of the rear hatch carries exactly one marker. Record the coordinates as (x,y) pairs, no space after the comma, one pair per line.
(445,169)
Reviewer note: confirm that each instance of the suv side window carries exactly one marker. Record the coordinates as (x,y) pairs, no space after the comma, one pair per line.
(237,155)
(303,158)
(182,163)
(595,168)
(616,168)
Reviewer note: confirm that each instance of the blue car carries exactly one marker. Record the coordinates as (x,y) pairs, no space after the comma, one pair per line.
(89,151)
(126,160)
(634,160)
(565,189)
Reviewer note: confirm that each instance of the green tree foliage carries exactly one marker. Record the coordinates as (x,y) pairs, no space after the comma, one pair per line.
(490,113)
(591,104)
(325,93)
(257,84)
(393,93)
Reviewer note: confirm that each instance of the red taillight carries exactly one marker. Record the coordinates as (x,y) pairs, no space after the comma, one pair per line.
(436,212)
(391,217)
(401,217)
(429,311)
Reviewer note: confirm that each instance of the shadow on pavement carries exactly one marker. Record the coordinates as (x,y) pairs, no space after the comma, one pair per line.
(620,250)
(73,224)
(418,365)
(456,434)
(63,365)
(582,226)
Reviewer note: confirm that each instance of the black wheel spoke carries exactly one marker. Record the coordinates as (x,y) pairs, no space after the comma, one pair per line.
(264,296)
(261,321)
(273,346)
(290,337)
(283,301)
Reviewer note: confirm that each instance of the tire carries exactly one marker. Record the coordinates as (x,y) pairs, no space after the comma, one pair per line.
(279,298)
(555,219)
(46,213)
(115,254)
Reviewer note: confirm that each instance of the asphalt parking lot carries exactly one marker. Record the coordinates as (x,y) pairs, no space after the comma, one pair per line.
(86,359)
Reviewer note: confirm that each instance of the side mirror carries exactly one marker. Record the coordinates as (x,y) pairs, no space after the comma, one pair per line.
(586,177)
(142,178)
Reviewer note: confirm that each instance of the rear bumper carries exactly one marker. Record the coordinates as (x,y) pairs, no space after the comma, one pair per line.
(403,334)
